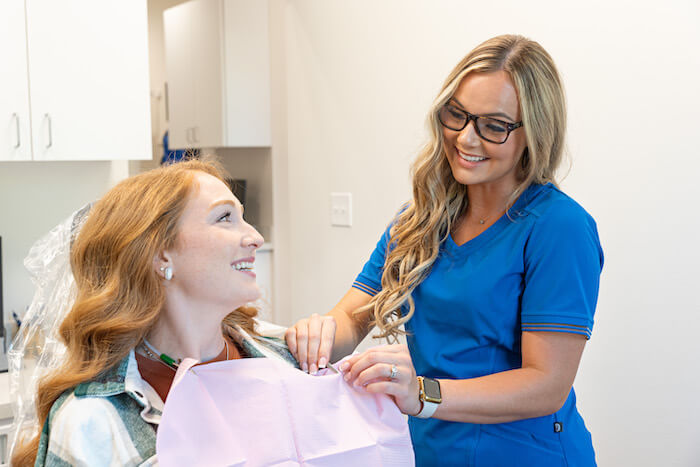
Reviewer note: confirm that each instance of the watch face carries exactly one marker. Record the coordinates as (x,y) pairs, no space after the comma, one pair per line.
(432,390)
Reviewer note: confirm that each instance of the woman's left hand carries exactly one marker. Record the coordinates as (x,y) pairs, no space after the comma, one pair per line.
(372,370)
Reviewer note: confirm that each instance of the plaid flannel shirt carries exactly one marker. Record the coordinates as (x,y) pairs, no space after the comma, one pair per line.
(112,420)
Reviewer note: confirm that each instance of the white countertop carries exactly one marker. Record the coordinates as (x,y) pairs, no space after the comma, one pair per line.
(5,407)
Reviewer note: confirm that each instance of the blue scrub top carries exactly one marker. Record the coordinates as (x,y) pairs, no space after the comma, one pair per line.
(535,269)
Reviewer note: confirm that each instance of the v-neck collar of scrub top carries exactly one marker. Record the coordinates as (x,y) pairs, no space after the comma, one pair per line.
(516,211)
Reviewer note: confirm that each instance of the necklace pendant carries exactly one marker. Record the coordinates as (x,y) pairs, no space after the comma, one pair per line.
(481,221)
(169,360)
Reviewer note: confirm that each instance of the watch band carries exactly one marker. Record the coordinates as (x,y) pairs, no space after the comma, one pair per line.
(428,409)
(430,401)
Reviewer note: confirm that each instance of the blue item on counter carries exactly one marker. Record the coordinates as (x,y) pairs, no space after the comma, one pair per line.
(176,155)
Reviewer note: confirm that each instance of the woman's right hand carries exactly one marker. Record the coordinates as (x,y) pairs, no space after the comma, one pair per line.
(311,341)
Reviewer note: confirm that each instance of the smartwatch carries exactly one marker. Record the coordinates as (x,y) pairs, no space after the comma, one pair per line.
(429,394)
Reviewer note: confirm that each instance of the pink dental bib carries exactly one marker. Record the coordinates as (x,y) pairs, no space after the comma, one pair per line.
(263,412)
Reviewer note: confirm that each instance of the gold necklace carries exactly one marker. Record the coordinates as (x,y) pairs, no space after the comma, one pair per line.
(482,220)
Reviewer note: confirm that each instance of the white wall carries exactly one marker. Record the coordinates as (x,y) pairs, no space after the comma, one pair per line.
(360,77)
(34,197)
(254,166)
(282,265)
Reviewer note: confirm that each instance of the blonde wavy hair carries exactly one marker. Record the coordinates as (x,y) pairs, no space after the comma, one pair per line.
(438,199)
(119,293)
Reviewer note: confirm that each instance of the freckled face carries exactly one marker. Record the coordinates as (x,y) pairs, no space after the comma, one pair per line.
(215,252)
(473,160)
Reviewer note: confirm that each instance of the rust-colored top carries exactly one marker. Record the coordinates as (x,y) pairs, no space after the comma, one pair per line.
(161,376)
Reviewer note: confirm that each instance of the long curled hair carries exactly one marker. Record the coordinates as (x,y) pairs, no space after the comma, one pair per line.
(438,199)
(119,293)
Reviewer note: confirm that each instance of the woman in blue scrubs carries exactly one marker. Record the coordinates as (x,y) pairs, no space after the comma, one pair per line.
(492,270)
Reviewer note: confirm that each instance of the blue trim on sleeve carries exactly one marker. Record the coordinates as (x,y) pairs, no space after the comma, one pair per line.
(365,288)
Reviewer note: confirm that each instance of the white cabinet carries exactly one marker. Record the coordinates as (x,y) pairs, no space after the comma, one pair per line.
(218,73)
(87,82)
(15,140)
(193,64)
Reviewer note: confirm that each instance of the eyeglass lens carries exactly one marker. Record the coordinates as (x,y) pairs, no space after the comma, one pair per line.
(488,128)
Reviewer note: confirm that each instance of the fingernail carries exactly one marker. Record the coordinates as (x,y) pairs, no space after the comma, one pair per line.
(344,366)
(322,362)
(305,367)
(313,370)
(346,377)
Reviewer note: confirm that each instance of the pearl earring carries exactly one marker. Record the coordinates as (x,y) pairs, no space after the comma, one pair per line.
(167,272)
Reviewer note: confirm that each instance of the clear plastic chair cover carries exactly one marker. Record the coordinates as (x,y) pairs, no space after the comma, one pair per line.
(37,347)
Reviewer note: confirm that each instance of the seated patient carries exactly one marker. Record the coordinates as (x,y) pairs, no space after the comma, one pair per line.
(159,264)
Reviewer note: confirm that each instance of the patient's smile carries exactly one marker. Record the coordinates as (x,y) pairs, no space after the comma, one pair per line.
(244,265)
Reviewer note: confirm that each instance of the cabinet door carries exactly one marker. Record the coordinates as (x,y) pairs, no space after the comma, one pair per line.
(207,43)
(88,69)
(15,142)
(247,73)
(179,73)
(217,61)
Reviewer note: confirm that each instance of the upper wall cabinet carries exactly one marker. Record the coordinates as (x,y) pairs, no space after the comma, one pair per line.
(218,73)
(15,136)
(87,64)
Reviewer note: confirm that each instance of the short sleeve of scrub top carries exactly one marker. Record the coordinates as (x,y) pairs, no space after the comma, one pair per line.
(370,279)
(563,260)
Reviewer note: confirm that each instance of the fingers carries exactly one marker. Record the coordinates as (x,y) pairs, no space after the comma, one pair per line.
(311,341)
(328,328)
(404,395)
(290,336)
(377,362)
(379,372)
(379,354)
(384,387)
(372,371)
(314,341)
(302,340)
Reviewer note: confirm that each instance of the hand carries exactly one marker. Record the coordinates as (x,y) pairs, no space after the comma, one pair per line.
(311,341)
(372,369)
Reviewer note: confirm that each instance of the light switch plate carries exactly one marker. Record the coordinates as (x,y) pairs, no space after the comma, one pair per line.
(341,209)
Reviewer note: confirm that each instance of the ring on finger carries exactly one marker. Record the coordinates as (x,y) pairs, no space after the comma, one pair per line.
(394,372)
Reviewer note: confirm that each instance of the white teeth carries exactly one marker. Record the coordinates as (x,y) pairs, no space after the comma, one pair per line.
(471,158)
(244,266)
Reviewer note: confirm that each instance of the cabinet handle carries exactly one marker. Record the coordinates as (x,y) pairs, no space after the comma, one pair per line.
(16,119)
(167,102)
(47,118)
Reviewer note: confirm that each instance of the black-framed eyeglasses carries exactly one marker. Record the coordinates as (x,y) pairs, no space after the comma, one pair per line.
(490,129)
